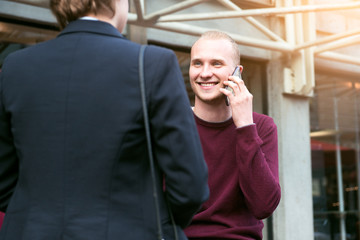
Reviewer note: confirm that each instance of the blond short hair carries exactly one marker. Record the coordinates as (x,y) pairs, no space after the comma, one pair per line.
(216,35)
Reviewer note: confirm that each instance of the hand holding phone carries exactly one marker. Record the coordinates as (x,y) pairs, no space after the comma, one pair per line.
(237,73)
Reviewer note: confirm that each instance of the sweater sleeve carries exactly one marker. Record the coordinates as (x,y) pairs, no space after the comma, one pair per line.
(257,158)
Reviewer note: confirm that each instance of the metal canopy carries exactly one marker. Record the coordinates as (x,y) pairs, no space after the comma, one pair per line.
(299,43)
(37,12)
(165,19)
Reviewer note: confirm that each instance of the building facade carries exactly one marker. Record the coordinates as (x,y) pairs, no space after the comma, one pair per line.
(301,63)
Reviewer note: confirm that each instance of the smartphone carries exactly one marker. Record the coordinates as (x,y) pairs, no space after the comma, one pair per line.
(236,72)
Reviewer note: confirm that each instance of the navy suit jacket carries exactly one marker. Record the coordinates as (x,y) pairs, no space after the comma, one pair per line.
(73,156)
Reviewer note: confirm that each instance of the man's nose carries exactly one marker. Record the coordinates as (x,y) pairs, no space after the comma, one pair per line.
(206,72)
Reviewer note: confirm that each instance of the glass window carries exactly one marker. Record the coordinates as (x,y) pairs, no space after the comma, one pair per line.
(334,112)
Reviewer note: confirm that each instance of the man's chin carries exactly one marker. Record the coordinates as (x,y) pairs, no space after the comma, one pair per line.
(214,100)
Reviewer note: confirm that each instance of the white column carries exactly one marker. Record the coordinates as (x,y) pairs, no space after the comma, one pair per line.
(136,33)
(293,218)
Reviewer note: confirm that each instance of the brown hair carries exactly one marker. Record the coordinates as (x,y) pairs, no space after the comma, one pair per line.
(215,35)
(67,11)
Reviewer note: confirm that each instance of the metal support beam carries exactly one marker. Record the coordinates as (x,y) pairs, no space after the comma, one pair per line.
(258,12)
(299,76)
(253,21)
(337,57)
(197,31)
(327,39)
(175,8)
(338,44)
(137,33)
(139,8)
(19,11)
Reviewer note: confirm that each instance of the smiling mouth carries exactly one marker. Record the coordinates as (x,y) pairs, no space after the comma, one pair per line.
(207,84)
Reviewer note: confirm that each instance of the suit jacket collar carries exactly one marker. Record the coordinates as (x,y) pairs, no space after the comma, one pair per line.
(96,27)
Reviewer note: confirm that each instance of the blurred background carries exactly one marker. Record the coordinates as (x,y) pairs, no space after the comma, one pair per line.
(301,61)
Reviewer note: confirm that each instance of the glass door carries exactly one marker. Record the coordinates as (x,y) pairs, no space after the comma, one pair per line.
(335,111)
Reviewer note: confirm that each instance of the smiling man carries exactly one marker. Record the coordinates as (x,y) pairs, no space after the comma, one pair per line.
(239,145)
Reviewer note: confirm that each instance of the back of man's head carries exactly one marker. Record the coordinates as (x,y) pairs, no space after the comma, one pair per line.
(67,11)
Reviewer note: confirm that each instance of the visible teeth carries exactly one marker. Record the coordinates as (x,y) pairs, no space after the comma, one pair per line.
(207,84)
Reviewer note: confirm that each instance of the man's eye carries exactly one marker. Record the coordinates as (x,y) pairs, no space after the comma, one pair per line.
(196,63)
(217,64)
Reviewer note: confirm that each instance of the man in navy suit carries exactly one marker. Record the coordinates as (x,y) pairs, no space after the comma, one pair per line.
(73,155)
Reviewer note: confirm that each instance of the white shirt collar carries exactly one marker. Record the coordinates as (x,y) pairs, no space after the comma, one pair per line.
(89,18)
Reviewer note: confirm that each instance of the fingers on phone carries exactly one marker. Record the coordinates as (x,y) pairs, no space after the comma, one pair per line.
(241,85)
(233,85)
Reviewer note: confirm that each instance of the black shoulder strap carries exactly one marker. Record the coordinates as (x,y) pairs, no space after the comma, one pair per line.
(148,138)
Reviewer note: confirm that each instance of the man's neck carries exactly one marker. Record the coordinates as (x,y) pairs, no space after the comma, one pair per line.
(212,112)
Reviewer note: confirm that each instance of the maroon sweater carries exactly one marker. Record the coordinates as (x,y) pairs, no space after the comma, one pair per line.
(2,215)
(243,179)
